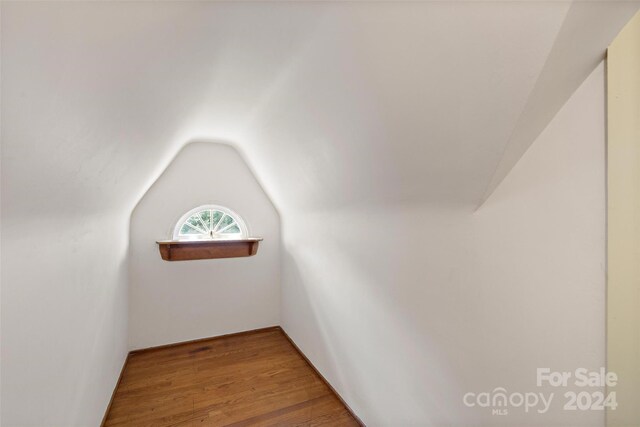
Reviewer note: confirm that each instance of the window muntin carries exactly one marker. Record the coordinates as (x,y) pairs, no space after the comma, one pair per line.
(210,222)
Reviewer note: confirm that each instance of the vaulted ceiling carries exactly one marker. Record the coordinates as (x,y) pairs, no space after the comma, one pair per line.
(333,104)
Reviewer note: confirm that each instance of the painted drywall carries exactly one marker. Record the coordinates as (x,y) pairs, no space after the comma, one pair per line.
(64,252)
(623,154)
(64,307)
(180,301)
(360,102)
(406,309)
(587,29)
(336,105)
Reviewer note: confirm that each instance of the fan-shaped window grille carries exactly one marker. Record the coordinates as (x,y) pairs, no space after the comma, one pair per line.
(210,222)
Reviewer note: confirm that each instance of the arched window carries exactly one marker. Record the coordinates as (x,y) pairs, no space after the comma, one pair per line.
(210,222)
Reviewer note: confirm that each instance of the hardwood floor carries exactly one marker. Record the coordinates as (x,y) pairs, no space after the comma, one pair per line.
(252,379)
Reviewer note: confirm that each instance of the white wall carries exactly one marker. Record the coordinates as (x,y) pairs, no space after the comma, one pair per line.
(64,249)
(336,104)
(64,310)
(404,309)
(320,95)
(179,301)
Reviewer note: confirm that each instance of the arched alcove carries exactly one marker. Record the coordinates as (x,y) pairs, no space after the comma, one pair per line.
(173,302)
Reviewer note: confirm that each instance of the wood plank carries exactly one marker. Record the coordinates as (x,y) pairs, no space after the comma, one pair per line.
(257,378)
(176,250)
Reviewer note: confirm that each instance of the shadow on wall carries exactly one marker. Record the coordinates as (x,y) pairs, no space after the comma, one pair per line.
(406,309)
(179,301)
(335,290)
(404,326)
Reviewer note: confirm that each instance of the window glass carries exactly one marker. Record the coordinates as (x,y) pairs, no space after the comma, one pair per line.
(210,222)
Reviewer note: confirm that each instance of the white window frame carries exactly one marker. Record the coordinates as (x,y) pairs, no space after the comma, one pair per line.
(244,231)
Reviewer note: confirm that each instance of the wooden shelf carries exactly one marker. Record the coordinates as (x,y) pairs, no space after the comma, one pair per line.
(183,250)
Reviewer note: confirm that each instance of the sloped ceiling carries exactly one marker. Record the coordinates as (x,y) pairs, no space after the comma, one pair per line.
(578,48)
(334,104)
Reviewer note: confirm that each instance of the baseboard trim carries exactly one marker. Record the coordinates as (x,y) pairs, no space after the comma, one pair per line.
(311,365)
(177,344)
(235,334)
